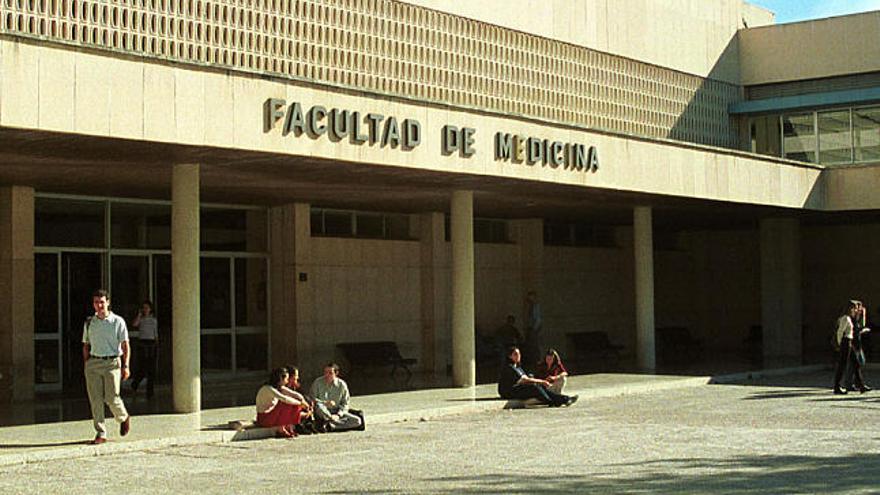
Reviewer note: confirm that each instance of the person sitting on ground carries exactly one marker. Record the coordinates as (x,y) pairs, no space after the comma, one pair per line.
(552,370)
(278,406)
(514,383)
(331,400)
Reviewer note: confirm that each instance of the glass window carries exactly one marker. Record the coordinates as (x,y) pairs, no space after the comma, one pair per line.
(557,233)
(370,226)
(765,135)
(338,223)
(866,130)
(233,230)
(140,226)
(317,222)
(250,292)
(490,230)
(45,293)
(835,138)
(216,352)
(397,227)
(216,311)
(68,223)
(129,285)
(252,352)
(46,361)
(799,137)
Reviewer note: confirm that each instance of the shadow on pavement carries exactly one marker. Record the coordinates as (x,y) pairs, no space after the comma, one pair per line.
(38,445)
(739,475)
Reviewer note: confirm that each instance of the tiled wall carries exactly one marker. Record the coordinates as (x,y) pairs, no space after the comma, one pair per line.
(389,47)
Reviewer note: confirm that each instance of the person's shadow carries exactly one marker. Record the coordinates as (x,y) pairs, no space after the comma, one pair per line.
(38,445)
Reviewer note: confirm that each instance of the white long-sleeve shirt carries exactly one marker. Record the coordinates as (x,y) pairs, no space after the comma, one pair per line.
(268,397)
(844,328)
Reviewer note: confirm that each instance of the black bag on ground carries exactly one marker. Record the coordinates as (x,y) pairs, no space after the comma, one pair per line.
(359,413)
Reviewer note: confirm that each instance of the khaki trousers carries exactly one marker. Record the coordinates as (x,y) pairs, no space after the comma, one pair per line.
(103,378)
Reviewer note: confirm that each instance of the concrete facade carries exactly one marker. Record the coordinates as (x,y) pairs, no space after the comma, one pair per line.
(562,123)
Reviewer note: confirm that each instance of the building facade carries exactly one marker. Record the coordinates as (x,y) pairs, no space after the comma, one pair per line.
(280,176)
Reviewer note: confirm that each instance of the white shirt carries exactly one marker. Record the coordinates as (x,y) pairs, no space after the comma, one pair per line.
(844,328)
(105,337)
(269,396)
(149,328)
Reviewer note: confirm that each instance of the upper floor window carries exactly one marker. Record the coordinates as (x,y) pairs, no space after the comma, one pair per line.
(361,224)
(846,135)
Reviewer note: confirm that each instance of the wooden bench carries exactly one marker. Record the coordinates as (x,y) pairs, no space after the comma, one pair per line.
(677,344)
(378,353)
(589,347)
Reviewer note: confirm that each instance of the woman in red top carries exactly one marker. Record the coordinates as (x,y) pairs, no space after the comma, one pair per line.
(552,370)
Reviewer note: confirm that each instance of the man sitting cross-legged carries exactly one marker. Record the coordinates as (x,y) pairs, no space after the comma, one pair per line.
(331,400)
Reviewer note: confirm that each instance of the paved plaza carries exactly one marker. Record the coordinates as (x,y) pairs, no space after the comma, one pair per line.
(776,435)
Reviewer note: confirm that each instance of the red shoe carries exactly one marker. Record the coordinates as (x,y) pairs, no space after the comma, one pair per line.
(98,440)
(125,426)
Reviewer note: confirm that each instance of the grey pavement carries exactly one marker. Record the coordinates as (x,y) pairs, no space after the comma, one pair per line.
(42,442)
(769,433)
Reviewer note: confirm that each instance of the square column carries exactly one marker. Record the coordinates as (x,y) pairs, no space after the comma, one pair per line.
(186,324)
(530,239)
(643,249)
(432,243)
(290,284)
(464,366)
(16,293)
(781,305)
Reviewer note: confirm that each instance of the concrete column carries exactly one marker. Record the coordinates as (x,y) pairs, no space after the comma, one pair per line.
(186,322)
(291,284)
(643,247)
(16,293)
(432,241)
(464,368)
(530,238)
(781,307)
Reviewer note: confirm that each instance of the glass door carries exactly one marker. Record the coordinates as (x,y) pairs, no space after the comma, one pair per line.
(47,321)
(81,275)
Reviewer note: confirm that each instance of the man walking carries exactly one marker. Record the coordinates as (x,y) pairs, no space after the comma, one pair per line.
(331,400)
(106,355)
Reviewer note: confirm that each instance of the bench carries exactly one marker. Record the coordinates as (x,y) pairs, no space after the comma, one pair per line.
(676,344)
(378,353)
(588,347)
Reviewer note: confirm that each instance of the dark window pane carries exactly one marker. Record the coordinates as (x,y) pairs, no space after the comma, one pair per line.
(370,226)
(216,352)
(765,135)
(216,311)
(66,223)
(46,293)
(46,361)
(140,226)
(397,227)
(252,352)
(233,230)
(338,224)
(317,222)
(557,233)
(250,292)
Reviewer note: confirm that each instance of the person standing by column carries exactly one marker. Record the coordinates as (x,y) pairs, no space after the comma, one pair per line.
(534,328)
(106,355)
(148,345)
